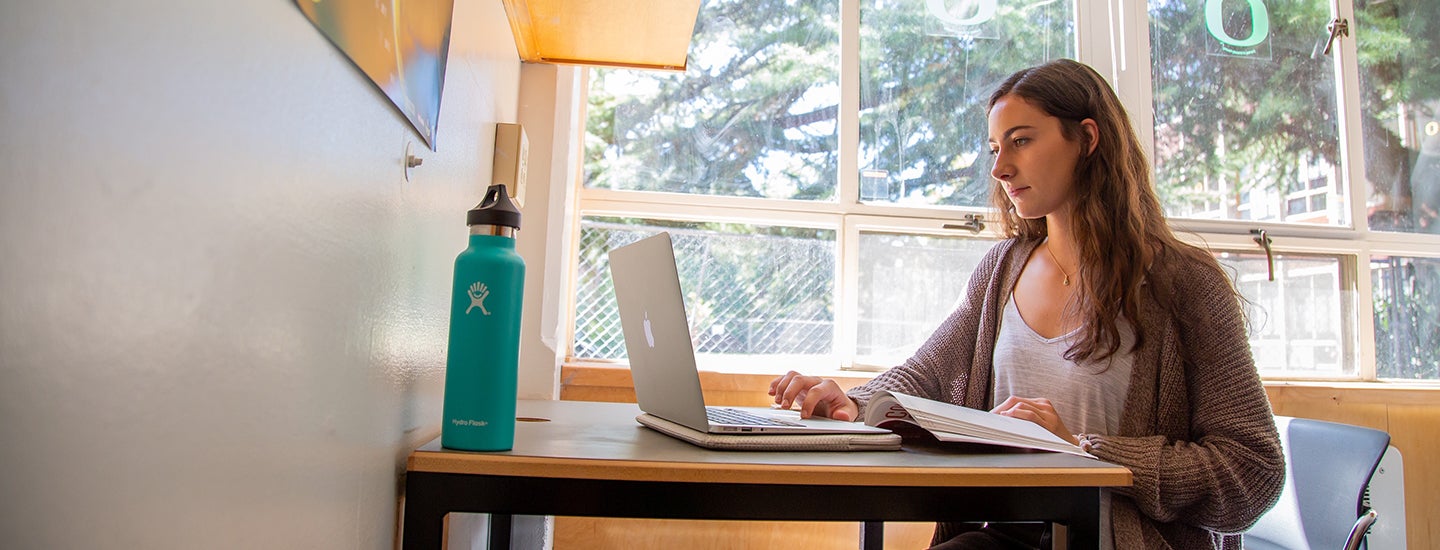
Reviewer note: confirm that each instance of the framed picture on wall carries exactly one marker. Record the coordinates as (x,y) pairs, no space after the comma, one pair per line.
(401,45)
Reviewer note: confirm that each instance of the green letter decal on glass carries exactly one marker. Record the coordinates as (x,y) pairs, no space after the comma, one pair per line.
(1259,27)
(984,12)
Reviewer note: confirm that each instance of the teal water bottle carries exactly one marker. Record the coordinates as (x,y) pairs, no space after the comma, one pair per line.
(484,349)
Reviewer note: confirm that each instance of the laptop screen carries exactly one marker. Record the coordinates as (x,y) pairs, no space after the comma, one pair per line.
(657,332)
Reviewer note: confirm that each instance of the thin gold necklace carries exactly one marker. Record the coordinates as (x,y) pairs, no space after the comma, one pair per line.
(1066,281)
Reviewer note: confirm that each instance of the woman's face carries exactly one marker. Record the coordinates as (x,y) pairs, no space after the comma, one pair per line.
(1033,160)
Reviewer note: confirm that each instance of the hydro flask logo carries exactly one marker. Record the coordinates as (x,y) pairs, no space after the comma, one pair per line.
(478,293)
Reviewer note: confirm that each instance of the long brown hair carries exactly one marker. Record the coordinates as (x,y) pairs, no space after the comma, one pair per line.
(1119,226)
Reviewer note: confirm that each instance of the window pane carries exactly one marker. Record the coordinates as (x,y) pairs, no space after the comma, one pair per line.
(926,70)
(1400,97)
(908,285)
(1245,103)
(748,289)
(1407,317)
(1299,325)
(752,116)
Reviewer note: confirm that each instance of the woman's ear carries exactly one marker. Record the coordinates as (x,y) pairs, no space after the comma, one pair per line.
(1092,134)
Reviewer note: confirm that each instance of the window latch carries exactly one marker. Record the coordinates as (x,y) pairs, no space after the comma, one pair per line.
(973,222)
(1337,28)
(1263,239)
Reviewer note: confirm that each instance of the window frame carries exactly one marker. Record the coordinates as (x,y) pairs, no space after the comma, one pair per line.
(1113,37)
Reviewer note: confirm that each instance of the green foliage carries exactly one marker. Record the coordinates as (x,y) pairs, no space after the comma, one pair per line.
(750,117)
(923,94)
(757,115)
(1407,318)
(1250,121)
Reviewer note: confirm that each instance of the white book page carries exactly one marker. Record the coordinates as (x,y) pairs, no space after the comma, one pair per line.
(963,424)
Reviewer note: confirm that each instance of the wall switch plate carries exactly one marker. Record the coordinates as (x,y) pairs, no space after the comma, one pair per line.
(511,152)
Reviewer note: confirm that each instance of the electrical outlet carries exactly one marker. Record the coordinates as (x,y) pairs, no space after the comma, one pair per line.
(509,167)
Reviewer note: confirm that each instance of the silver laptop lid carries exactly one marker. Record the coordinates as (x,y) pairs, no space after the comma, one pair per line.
(662,357)
(657,333)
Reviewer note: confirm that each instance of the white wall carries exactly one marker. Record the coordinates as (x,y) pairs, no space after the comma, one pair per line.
(222,308)
(550,114)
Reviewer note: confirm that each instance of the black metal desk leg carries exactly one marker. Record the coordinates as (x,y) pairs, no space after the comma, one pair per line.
(424,526)
(500,526)
(1084,528)
(872,535)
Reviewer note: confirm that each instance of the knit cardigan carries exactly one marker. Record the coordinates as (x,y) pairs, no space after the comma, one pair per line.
(1196,430)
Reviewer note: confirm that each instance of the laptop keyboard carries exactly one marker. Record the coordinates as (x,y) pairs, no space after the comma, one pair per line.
(743,418)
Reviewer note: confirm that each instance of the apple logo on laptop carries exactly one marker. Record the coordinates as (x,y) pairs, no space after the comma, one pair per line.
(649,336)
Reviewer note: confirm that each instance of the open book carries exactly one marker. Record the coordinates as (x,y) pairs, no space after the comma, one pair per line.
(903,413)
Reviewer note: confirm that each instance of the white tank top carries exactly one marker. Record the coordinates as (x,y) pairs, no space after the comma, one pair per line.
(1089,396)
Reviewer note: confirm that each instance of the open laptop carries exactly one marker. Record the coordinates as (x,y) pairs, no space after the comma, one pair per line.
(662,359)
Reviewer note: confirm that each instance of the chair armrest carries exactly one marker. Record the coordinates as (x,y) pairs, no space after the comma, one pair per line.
(1361,528)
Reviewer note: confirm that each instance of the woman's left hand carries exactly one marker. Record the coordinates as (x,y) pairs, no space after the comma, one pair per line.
(1037,410)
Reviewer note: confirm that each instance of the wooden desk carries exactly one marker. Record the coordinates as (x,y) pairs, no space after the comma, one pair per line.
(593,459)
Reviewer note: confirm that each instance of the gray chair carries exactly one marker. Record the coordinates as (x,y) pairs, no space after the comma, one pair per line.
(1327,468)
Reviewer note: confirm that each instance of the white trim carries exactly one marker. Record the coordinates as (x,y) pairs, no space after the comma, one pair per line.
(712,213)
(848,172)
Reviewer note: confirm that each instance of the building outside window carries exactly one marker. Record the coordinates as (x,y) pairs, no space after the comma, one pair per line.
(821,168)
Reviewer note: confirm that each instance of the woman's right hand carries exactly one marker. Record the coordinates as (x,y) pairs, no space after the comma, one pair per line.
(815,396)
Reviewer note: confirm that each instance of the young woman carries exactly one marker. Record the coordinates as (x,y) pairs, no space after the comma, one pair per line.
(1094,321)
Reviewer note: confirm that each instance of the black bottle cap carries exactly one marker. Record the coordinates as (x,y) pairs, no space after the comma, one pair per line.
(496,209)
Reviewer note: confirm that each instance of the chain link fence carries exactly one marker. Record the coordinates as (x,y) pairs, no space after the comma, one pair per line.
(748,289)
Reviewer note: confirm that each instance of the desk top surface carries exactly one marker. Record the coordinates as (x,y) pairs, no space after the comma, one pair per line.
(588,440)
